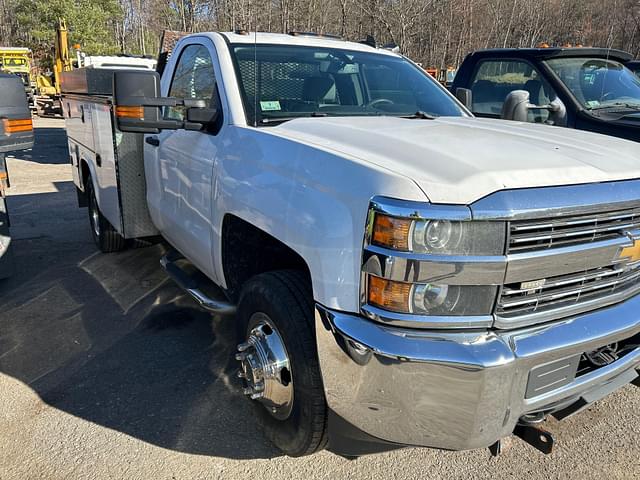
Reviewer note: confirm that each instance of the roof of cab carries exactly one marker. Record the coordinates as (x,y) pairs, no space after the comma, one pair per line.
(555,52)
(299,39)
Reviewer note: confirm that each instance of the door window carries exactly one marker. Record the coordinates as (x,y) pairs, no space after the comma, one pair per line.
(193,77)
(495,79)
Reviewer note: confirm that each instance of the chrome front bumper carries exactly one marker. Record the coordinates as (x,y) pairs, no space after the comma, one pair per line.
(461,390)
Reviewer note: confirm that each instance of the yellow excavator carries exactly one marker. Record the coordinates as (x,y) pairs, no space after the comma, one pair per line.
(48,86)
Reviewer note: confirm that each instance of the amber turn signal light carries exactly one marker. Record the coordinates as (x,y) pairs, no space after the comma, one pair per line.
(136,112)
(17,125)
(389,295)
(391,232)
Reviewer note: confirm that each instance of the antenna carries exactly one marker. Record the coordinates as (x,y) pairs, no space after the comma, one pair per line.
(255,64)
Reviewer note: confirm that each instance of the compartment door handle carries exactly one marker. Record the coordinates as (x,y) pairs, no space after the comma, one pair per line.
(155,141)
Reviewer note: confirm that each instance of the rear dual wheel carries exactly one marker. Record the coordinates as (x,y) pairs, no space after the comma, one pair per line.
(106,237)
(279,362)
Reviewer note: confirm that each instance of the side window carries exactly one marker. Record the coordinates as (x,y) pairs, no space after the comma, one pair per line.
(495,79)
(193,77)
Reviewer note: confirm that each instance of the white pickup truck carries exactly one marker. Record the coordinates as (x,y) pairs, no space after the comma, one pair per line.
(401,273)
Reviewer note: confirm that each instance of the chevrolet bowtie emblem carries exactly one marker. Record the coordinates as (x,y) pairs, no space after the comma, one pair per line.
(632,252)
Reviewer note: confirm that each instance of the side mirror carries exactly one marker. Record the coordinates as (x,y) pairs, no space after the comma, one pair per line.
(136,95)
(138,105)
(16,127)
(198,117)
(465,96)
(516,106)
(557,113)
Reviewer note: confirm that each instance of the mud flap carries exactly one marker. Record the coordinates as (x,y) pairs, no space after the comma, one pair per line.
(6,258)
(599,393)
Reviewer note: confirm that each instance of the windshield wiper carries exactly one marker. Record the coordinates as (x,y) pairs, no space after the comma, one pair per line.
(271,120)
(420,115)
(632,106)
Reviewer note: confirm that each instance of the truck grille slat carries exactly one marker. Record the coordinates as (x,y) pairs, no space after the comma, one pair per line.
(530,236)
(568,289)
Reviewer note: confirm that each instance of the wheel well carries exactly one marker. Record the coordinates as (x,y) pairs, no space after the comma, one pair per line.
(248,251)
(85,173)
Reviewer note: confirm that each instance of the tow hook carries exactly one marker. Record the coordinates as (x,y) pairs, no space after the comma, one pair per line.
(535,436)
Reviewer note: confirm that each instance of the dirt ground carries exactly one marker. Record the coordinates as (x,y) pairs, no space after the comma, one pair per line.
(108,371)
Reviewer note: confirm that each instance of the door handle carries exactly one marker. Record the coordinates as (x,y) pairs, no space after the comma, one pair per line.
(155,141)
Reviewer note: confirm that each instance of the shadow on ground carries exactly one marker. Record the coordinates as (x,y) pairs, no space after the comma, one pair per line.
(156,368)
(109,339)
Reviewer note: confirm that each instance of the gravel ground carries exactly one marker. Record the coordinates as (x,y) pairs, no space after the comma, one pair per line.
(108,371)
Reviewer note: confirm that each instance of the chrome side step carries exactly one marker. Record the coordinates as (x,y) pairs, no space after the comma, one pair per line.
(213,300)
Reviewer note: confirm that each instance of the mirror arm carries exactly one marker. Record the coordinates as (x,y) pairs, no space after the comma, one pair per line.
(550,107)
(162,102)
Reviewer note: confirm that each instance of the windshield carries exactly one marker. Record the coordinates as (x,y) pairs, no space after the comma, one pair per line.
(293,81)
(598,83)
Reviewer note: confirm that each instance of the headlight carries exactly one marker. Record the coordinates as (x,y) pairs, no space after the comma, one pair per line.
(430,299)
(439,236)
(428,271)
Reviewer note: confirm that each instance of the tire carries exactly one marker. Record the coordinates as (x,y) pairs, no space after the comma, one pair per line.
(104,235)
(285,297)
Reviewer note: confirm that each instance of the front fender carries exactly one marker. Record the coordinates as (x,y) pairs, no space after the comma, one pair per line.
(310,198)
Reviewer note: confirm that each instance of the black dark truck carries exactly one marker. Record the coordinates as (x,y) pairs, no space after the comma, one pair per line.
(634,66)
(16,133)
(583,88)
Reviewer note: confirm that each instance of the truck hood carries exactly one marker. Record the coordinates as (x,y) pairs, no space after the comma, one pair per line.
(460,160)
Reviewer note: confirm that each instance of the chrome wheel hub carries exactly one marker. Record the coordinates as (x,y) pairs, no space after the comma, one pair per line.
(265,367)
(95,218)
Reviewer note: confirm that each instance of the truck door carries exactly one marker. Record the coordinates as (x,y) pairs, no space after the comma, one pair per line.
(185,160)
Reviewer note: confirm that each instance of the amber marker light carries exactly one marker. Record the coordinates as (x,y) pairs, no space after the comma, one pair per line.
(389,295)
(136,112)
(15,126)
(391,232)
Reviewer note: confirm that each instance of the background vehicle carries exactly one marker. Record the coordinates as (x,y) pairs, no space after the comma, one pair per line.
(582,88)
(634,66)
(17,60)
(48,100)
(16,133)
(354,217)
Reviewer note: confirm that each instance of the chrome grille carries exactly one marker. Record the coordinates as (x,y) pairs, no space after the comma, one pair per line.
(568,290)
(535,235)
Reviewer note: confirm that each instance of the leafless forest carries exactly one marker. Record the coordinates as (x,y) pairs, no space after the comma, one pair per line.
(434,32)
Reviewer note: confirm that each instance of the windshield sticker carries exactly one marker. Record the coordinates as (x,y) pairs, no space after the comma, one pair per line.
(270,106)
(593,103)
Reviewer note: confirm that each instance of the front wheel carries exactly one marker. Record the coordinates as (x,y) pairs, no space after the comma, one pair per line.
(106,237)
(279,361)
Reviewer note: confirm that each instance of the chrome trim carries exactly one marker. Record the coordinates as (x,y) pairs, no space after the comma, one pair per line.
(566,311)
(265,368)
(219,306)
(522,267)
(412,320)
(425,268)
(571,230)
(549,202)
(459,390)
(419,210)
